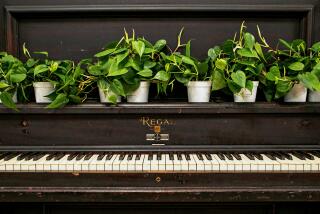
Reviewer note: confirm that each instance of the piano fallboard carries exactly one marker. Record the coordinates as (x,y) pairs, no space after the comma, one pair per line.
(161,126)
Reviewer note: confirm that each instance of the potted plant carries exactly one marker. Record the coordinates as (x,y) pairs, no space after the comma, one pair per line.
(12,77)
(314,75)
(42,73)
(238,65)
(189,71)
(139,63)
(288,77)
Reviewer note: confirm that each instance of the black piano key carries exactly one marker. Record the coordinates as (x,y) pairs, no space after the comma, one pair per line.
(306,155)
(150,157)
(171,156)
(280,155)
(3,155)
(130,156)
(10,156)
(199,155)
(208,156)
(51,156)
(109,156)
(188,158)
(101,156)
(23,156)
(158,156)
(29,157)
(270,156)
(257,155)
(228,155)
(38,157)
(249,155)
(122,156)
(72,156)
(298,155)
(179,156)
(236,155)
(138,156)
(88,156)
(315,153)
(59,156)
(221,156)
(80,156)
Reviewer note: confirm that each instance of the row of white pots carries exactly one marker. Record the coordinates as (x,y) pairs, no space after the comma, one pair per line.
(198,91)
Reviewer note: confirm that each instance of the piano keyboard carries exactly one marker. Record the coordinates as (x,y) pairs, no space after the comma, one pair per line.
(294,161)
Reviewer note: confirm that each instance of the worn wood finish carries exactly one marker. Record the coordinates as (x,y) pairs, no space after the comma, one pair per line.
(126,126)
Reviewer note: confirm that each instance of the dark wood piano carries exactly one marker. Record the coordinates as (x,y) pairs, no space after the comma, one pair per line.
(165,156)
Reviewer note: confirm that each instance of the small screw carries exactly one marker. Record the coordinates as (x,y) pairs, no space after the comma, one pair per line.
(24,123)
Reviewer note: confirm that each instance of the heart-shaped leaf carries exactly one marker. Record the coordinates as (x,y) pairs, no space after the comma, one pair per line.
(249,40)
(16,78)
(138,47)
(296,66)
(239,78)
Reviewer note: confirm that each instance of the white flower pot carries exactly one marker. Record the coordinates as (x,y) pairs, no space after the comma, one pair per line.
(199,91)
(141,94)
(105,94)
(14,97)
(314,96)
(298,93)
(247,96)
(41,90)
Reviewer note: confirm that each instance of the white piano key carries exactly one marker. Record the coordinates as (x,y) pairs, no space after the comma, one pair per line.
(192,164)
(146,163)
(139,163)
(223,166)
(116,164)
(215,166)
(169,163)
(132,163)
(271,165)
(207,163)
(154,163)
(124,164)
(176,163)
(162,163)
(200,164)
(108,163)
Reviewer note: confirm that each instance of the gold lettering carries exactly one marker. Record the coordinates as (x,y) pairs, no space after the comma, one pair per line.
(152,122)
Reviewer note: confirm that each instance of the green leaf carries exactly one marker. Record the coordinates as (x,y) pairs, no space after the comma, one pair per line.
(259,51)
(188,60)
(286,44)
(60,101)
(188,49)
(162,76)
(234,88)
(149,64)
(218,80)
(160,44)
(54,66)
(221,64)
(6,99)
(310,81)
(273,74)
(145,72)
(42,53)
(249,40)
(296,66)
(40,69)
(247,53)
(138,47)
(213,53)
(94,70)
(239,78)
(105,52)
(117,87)
(121,57)
(249,85)
(117,72)
(316,47)
(31,62)
(282,88)
(3,85)
(16,78)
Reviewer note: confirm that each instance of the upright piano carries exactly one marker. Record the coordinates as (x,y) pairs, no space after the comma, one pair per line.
(166,156)
(262,153)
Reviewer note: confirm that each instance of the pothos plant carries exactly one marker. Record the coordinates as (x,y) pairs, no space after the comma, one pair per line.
(12,78)
(183,66)
(238,62)
(123,64)
(68,79)
(292,65)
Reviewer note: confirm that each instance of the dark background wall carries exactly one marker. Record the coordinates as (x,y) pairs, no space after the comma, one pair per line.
(78,28)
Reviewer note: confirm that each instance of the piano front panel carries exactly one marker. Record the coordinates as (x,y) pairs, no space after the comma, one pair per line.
(157,125)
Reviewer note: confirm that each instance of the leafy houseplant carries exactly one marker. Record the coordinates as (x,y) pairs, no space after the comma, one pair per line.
(189,71)
(12,77)
(314,75)
(126,67)
(238,65)
(289,75)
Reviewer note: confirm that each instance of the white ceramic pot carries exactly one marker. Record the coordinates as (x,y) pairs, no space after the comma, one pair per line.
(41,90)
(141,94)
(298,93)
(105,94)
(199,91)
(314,96)
(247,96)
(14,97)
